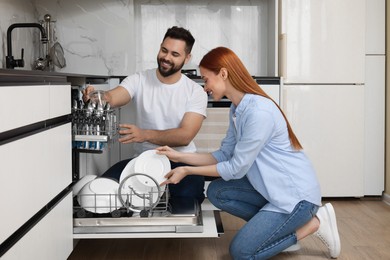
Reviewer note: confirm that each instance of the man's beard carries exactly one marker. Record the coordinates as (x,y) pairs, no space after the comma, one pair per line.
(169,72)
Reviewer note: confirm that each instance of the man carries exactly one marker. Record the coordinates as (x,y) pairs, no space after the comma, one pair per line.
(170,108)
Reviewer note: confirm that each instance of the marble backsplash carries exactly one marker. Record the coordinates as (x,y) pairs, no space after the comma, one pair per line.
(119,37)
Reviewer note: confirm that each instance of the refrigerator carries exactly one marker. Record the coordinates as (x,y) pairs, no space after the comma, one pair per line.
(322,63)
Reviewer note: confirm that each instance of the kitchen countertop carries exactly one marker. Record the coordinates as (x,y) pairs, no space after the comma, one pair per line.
(17,77)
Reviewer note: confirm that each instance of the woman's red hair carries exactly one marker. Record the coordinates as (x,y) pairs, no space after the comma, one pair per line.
(222,57)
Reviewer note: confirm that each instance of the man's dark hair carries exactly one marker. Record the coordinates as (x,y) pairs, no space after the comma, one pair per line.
(180,33)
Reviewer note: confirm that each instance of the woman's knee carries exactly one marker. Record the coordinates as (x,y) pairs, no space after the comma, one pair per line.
(212,191)
(237,250)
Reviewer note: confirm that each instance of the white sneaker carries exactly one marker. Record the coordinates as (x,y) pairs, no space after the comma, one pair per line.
(292,248)
(328,231)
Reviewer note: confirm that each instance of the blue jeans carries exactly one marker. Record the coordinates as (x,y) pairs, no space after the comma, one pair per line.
(266,233)
(191,187)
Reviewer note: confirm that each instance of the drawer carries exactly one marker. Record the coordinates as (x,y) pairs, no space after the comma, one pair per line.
(51,238)
(23,105)
(59,103)
(36,169)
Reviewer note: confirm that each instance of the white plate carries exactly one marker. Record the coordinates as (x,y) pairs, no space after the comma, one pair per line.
(129,169)
(138,194)
(100,196)
(81,183)
(154,165)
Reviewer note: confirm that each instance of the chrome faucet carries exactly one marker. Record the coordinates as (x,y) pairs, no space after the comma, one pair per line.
(10,61)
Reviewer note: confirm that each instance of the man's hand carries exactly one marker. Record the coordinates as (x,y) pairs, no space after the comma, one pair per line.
(131,134)
(86,92)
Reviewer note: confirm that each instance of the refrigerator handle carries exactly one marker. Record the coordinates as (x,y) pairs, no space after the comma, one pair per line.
(283,55)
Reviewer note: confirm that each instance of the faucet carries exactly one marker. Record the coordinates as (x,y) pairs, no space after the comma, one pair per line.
(10,61)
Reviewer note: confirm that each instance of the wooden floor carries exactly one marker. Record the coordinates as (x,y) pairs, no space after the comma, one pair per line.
(364,227)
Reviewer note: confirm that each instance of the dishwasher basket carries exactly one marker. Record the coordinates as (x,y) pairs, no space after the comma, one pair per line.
(129,200)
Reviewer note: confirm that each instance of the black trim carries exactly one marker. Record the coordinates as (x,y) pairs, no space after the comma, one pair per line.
(75,165)
(88,151)
(267,81)
(224,103)
(19,233)
(25,131)
(218,222)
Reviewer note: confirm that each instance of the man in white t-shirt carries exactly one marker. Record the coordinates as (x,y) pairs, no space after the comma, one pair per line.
(170,108)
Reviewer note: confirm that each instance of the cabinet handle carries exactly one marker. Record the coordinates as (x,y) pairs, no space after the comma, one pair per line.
(283,55)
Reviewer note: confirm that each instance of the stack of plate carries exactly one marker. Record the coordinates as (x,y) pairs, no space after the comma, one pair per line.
(139,186)
(97,195)
(141,178)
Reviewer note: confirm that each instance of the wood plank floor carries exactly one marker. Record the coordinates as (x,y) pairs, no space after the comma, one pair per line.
(364,227)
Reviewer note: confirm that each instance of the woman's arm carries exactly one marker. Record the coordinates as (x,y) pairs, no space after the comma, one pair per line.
(177,174)
(203,164)
(196,159)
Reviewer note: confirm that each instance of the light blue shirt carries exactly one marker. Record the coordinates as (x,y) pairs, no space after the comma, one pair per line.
(257,145)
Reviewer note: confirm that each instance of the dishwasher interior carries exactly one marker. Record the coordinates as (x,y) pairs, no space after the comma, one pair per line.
(128,211)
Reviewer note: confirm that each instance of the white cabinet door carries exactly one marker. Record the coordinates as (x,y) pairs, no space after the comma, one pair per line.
(329,122)
(374,121)
(33,171)
(51,238)
(322,41)
(23,105)
(273,91)
(60,102)
(375,27)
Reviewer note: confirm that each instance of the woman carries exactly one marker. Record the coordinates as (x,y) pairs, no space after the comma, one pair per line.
(267,179)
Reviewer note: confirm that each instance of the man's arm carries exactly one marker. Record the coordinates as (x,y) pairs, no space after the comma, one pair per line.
(116,97)
(174,137)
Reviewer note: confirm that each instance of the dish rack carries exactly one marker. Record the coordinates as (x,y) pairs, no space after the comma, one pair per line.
(168,215)
(93,126)
(120,205)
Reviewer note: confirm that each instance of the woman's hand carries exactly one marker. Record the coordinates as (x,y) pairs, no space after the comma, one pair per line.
(175,175)
(172,154)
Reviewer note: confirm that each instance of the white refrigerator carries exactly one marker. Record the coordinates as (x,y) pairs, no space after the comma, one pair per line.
(322,62)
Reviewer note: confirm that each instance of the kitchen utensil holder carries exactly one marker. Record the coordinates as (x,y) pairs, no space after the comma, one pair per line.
(93,128)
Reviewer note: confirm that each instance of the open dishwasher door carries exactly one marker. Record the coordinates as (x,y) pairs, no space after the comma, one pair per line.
(183,219)
(95,151)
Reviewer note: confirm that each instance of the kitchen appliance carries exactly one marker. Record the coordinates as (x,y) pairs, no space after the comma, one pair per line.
(94,123)
(139,213)
(322,62)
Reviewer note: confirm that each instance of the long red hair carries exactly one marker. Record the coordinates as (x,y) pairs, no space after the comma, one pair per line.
(222,57)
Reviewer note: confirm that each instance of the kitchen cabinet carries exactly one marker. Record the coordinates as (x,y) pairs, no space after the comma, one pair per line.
(374,112)
(35,171)
(332,59)
(374,125)
(50,238)
(322,41)
(375,27)
(329,122)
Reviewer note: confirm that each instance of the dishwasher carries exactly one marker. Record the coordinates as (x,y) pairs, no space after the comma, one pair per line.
(155,215)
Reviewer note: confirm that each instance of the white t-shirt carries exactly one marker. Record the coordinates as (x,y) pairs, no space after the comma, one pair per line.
(162,106)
